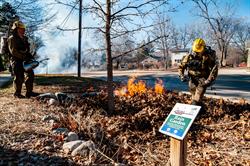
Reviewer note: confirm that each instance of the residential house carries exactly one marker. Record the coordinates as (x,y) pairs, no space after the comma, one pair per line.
(174,56)
(177,55)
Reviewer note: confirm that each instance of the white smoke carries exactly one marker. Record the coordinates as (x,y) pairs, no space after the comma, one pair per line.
(57,44)
(55,50)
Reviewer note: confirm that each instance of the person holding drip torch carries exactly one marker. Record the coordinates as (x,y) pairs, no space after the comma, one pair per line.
(202,68)
(19,50)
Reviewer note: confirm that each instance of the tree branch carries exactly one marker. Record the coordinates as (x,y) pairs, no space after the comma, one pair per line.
(143,45)
(134,7)
(100,7)
(85,28)
(121,33)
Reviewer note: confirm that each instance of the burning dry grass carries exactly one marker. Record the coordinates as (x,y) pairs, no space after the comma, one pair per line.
(219,136)
(138,88)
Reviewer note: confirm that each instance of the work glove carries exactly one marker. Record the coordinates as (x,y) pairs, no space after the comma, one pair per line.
(204,82)
(183,78)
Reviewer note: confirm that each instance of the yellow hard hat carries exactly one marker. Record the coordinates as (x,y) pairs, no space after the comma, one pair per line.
(18,24)
(198,45)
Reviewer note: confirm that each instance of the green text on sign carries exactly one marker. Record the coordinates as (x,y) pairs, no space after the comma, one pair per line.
(176,125)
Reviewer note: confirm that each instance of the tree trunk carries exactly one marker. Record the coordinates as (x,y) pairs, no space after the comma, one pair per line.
(79,59)
(223,56)
(167,55)
(164,57)
(109,59)
(117,63)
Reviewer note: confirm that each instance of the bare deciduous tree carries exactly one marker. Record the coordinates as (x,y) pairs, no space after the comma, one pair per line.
(34,13)
(117,18)
(242,35)
(183,36)
(163,29)
(121,45)
(121,18)
(221,22)
(187,35)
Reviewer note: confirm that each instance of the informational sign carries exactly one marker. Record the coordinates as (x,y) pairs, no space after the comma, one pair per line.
(179,120)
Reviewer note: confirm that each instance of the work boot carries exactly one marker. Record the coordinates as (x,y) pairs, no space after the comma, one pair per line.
(17,95)
(31,94)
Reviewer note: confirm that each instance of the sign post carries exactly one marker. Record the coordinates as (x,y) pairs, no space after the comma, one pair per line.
(177,125)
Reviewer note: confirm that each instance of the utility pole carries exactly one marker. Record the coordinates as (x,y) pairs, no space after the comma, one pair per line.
(79,39)
(248,56)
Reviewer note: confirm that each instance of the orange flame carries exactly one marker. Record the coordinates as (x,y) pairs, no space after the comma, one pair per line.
(133,88)
(159,88)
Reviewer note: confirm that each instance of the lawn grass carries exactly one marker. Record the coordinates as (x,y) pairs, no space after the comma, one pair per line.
(6,87)
(69,82)
(65,80)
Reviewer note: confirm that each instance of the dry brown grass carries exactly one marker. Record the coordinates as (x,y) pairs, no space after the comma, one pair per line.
(130,135)
(21,125)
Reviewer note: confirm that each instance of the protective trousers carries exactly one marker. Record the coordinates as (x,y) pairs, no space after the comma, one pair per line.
(197,91)
(19,78)
(1,65)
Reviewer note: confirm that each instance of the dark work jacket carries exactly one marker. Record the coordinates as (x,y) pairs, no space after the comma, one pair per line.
(200,66)
(19,48)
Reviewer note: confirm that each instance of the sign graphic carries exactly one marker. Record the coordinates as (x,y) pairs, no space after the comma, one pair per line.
(179,120)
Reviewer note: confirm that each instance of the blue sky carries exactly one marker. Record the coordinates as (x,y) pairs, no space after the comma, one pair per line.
(184,12)
(57,45)
(244,8)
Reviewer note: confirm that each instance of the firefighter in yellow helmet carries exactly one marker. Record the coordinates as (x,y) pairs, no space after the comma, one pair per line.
(19,50)
(202,68)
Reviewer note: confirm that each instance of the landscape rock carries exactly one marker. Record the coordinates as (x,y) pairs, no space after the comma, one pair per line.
(63,97)
(70,146)
(72,136)
(49,118)
(61,131)
(53,102)
(86,149)
(119,164)
(46,96)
